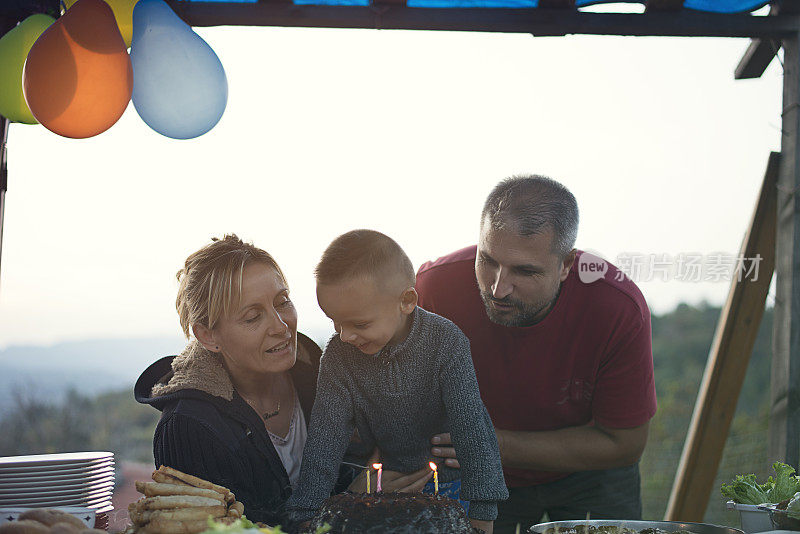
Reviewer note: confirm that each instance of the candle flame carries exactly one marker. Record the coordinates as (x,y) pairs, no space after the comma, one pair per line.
(377,466)
(433,465)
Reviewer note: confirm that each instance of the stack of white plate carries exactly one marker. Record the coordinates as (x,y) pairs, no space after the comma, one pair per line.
(84,479)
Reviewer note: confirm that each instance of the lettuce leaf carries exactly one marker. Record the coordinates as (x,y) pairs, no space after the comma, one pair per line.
(245,525)
(240,525)
(745,490)
(785,485)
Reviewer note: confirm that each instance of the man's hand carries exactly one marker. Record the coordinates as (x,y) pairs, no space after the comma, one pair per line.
(486,526)
(443,448)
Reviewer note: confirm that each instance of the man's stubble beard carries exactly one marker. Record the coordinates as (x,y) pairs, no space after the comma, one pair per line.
(524,314)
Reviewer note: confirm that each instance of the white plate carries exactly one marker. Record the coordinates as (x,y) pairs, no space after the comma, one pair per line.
(63,458)
(55,480)
(98,508)
(37,468)
(84,514)
(55,491)
(33,488)
(103,508)
(48,470)
(58,501)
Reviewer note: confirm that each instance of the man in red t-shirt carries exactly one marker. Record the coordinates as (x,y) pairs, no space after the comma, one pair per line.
(561,344)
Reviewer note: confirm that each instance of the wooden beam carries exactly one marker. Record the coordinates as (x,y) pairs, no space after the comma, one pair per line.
(727,361)
(761,52)
(544,22)
(663,5)
(756,58)
(784,421)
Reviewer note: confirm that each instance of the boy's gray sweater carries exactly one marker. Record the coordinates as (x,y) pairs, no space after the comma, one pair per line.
(398,399)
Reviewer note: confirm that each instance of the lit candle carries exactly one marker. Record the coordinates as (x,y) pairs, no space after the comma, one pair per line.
(435,478)
(379,467)
(367,470)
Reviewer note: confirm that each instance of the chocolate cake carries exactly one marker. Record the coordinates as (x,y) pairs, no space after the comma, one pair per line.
(398,513)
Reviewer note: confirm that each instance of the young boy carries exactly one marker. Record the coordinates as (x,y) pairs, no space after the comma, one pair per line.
(396,373)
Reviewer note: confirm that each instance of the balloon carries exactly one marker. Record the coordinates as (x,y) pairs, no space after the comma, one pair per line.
(179,85)
(123,12)
(14,47)
(78,78)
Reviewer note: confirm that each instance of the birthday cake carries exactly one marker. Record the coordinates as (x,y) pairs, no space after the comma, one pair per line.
(398,513)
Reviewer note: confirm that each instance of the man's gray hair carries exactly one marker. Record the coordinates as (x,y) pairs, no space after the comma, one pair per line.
(529,204)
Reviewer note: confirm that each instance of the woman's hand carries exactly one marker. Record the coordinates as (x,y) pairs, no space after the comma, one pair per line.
(410,482)
(390,480)
(486,526)
(443,448)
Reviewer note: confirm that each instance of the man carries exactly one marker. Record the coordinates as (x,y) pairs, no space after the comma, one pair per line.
(561,344)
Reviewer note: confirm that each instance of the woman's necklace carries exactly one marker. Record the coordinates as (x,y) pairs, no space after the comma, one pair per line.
(270,415)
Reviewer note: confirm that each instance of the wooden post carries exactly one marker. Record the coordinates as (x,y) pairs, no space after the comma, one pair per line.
(784,431)
(727,361)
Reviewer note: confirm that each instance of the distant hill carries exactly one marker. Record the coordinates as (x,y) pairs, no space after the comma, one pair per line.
(89,367)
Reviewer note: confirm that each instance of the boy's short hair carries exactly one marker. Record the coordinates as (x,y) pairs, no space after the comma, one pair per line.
(364,253)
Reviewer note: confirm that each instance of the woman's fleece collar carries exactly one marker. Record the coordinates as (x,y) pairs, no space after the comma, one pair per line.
(197,368)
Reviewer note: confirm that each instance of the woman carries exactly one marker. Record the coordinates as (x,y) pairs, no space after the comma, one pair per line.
(236,401)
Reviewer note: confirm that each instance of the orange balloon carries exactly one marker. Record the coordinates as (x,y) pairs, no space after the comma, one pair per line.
(78,77)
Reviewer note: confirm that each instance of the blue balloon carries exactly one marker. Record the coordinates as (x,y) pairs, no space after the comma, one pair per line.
(179,86)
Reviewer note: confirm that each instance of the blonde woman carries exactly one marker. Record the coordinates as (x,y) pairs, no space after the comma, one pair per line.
(235,403)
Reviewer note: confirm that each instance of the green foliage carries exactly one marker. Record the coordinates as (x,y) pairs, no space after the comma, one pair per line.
(112,421)
(681,343)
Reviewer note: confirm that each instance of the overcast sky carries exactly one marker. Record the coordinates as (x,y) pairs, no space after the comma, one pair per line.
(405,132)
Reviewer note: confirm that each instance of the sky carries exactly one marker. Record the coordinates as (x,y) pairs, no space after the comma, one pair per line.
(406,132)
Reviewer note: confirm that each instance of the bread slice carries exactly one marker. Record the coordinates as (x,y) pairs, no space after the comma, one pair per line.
(49,517)
(152,489)
(167,502)
(25,526)
(236,509)
(169,475)
(200,513)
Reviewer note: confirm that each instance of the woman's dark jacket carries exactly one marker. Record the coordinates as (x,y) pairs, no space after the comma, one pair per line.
(207,430)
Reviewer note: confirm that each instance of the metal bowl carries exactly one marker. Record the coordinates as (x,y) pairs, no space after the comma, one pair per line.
(781,520)
(668,526)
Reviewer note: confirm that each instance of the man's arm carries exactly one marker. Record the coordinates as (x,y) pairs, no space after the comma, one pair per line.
(579,448)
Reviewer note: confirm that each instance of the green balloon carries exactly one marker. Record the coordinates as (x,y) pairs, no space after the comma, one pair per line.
(14,48)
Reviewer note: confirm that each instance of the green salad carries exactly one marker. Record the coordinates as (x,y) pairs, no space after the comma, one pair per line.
(245,525)
(744,489)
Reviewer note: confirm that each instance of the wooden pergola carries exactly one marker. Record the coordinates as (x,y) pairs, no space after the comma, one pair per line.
(773,235)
